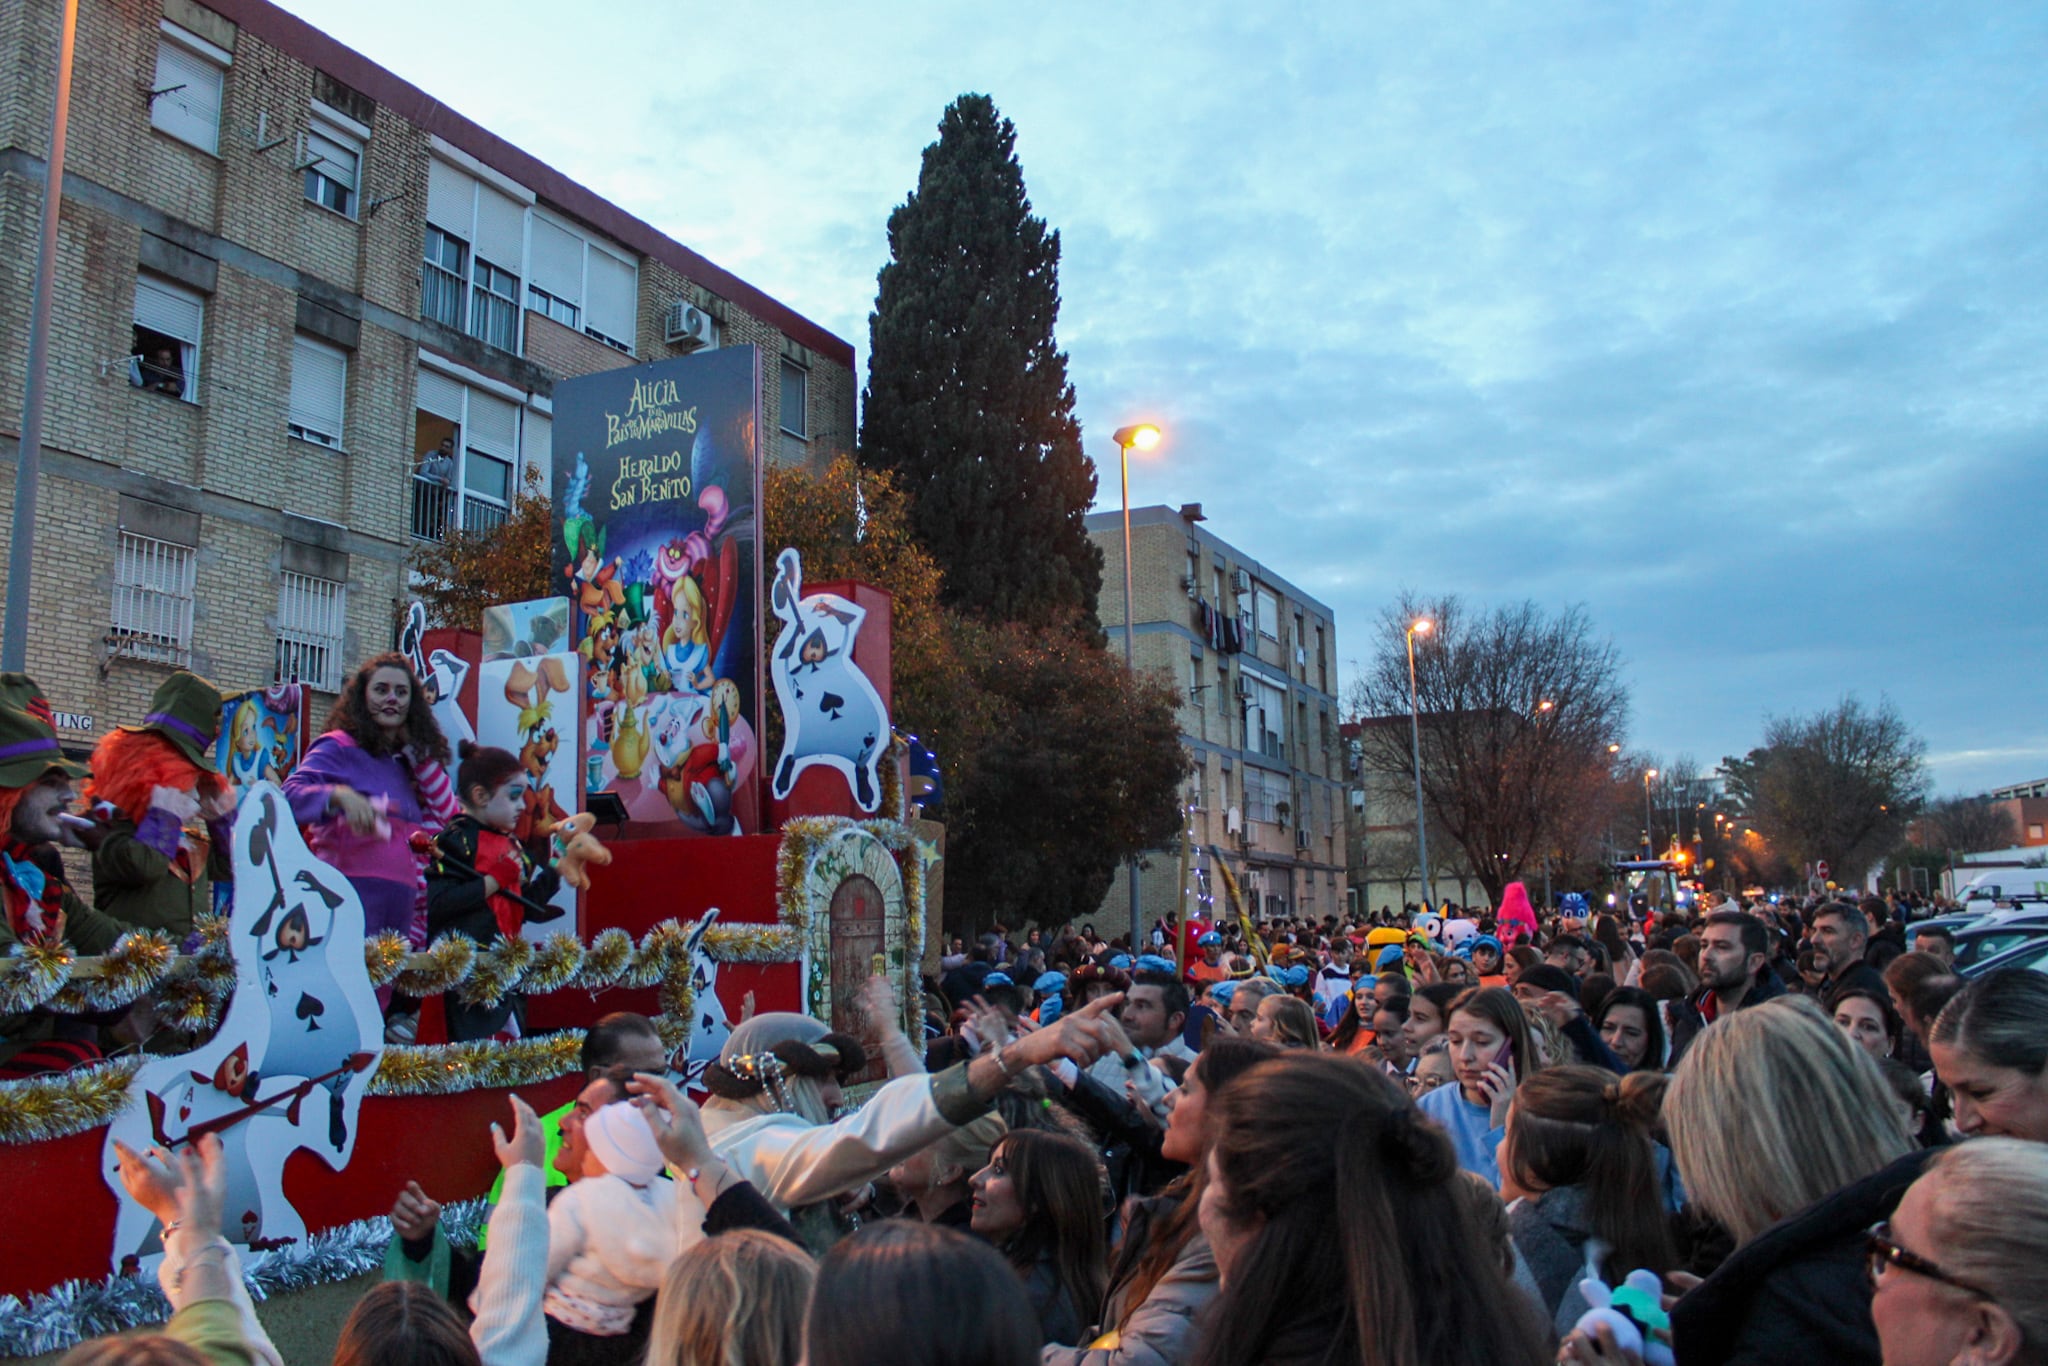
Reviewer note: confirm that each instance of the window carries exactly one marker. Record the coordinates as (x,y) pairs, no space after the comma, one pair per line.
(319,382)
(441,277)
(312,621)
(1267,608)
(184,96)
(1263,794)
(611,299)
(555,270)
(1266,731)
(1196,777)
(494,307)
(333,162)
(490,451)
(1322,662)
(163,355)
(153,599)
(795,387)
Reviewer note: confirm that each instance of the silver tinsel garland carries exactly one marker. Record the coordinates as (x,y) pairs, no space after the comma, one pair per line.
(78,1310)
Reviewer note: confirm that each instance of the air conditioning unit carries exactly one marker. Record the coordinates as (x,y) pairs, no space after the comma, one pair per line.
(689,327)
(1244,688)
(1358,799)
(1187,582)
(1240,581)
(1233,821)
(1300,657)
(1301,838)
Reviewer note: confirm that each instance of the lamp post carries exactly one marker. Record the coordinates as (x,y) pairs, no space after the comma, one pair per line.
(1144,436)
(1419,626)
(1649,834)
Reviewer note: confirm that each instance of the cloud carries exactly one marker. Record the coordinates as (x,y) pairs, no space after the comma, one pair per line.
(1725,322)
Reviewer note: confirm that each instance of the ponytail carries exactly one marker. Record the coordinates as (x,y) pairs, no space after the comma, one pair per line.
(1586,1127)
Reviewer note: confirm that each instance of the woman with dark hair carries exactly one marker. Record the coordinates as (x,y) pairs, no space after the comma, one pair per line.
(1039,1200)
(1353,1033)
(378,775)
(1866,1015)
(1491,1050)
(1339,1235)
(1164,1273)
(1579,1159)
(915,1294)
(1990,1046)
(1632,1028)
(1429,1013)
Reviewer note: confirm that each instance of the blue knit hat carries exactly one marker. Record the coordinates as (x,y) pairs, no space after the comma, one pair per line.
(999,979)
(1121,962)
(1050,983)
(1223,991)
(1291,978)
(1390,956)
(1152,962)
(1211,940)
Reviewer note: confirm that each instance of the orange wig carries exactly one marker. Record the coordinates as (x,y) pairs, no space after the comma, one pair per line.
(127,765)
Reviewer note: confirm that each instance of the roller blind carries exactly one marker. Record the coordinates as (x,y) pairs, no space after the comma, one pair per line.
(557,261)
(500,230)
(611,306)
(440,396)
(493,426)
(167,309)
(319,381)
(451,199)
(192,112)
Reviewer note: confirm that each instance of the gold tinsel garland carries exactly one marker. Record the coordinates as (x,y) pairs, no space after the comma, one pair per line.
(136,965)
(605,959)
(61,1103)
(754,943)
(497,971)
(38,970)
(439,1069)
(385,955)
(445,965)
(555,964)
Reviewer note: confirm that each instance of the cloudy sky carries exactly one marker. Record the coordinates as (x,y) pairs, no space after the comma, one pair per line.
(1725,320)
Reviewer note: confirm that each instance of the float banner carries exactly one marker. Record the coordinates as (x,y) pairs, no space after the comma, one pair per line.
(657,478)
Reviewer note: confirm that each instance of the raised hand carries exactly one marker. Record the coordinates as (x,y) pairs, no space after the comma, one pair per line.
(527,1144)
(677,1123)
(414,1214)
(183,1189)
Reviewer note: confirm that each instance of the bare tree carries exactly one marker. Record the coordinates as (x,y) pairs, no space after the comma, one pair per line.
(1967,825)
(1841,785)
(1518,709)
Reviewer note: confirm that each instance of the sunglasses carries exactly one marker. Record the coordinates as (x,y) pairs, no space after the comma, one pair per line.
(1883,1253)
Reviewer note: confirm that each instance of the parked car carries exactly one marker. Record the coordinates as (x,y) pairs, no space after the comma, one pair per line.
(2032,954)
(1993,935)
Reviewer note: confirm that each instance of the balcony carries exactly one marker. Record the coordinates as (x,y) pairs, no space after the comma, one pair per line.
(436,508)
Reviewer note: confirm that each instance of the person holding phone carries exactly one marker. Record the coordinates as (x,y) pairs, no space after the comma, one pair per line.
(1490,1051)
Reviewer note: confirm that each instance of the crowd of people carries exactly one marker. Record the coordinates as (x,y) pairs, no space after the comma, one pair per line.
(1730,1133)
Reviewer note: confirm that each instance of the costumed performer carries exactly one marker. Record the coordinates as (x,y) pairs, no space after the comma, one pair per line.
(167,811)
(776,1088)
(376,776)
(35,796)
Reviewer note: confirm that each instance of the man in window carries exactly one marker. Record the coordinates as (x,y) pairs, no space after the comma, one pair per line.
(158,371)
(438,464)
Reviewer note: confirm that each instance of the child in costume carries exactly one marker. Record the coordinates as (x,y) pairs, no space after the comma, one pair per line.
(168,813)
(477,870)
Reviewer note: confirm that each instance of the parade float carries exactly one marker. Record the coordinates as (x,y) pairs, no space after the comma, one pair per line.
(638,697)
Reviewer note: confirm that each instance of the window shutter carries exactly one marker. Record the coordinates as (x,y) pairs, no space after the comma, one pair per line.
(338,160)
(319,381)
(193,113)
(451,199)
(167,309)
(612,305)
(440,396)
(493,426)
(537,445)
(500,230)
(557,265)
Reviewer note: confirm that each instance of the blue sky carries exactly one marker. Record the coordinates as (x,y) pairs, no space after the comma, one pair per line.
(1727,321)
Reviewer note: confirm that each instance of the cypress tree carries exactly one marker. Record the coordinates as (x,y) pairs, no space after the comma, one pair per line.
(967,398)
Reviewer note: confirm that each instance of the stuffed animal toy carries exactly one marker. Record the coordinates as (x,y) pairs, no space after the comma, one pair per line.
(580,849)
(1633,1312)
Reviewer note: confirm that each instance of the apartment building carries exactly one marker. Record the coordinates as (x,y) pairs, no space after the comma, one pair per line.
(306,317)
(1255,660)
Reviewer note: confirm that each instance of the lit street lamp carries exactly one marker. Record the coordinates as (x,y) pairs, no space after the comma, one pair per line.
(1649,834)
(1420,626)
(1144,436)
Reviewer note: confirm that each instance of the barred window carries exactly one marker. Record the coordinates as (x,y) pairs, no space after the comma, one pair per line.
(312,619)
(153,599)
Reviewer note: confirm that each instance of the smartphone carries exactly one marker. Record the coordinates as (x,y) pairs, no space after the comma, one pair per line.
(1500,1059)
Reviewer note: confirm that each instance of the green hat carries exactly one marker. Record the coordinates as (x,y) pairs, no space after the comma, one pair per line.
(28,735)
(186,711)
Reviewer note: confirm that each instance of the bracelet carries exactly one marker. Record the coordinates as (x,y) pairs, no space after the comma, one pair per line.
(1002,1066)
(172,1227)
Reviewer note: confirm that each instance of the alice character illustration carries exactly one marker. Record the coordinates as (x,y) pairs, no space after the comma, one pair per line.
(246,750)
(685,646)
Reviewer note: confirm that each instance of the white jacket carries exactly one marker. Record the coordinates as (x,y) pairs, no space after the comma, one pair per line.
(610,1243)
(796,1163)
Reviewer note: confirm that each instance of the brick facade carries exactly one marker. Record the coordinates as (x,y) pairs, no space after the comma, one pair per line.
(1295,858)
(235,227)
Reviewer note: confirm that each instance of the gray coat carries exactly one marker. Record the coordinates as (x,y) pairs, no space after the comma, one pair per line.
(1162,1331)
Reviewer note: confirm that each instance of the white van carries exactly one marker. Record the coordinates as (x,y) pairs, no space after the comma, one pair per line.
(2003,884)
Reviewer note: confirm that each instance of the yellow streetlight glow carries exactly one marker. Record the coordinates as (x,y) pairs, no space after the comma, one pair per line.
(1422,626)
(1650,773)
(1546,705)
(1143,435)
(1614,749)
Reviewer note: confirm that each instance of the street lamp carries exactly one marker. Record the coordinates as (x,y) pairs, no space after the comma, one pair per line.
(1144,436)
(1649,834)
(1419,626)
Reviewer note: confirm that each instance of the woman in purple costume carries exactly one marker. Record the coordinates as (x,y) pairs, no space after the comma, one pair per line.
(376,776)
